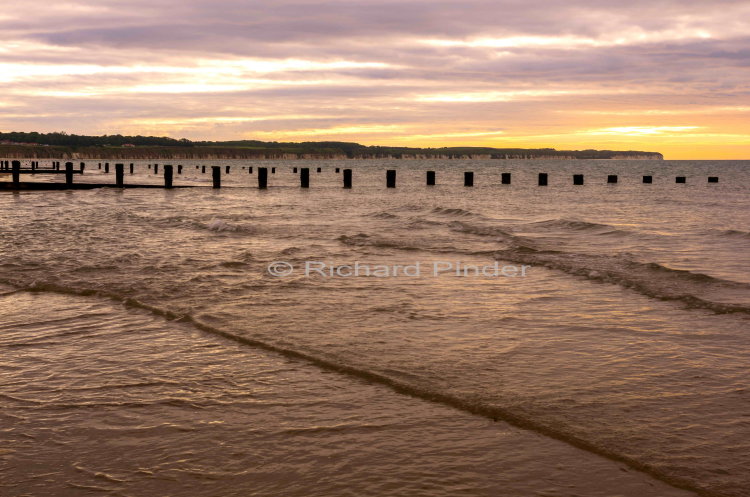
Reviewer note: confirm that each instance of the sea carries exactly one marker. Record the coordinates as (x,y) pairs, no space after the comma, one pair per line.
(494,340)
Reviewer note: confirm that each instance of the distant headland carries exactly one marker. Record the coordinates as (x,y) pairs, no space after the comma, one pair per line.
(67,146)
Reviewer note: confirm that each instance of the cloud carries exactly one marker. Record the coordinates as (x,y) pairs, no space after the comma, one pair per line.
(367,69)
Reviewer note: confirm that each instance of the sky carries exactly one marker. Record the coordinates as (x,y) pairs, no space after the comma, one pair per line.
(659,75)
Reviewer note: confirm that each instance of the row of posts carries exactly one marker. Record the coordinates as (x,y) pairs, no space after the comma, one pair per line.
(304,173)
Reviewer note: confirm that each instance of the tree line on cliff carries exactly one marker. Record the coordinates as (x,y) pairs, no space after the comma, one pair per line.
(74,143)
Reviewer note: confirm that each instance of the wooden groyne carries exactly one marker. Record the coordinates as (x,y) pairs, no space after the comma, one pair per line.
(69,171)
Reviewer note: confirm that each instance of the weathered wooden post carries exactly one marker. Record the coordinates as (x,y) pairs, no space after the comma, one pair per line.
(612,178)
(543,177)
(390,178)
(713,179)
(168,173)
(648,179)
(505,178)
(120,174)
(304,177)
(430,178)
(69,173)
(347,178)
(262,178)
(216,172)
(227,169)
(16,167)
(578,179)
(468,178)
(679,179)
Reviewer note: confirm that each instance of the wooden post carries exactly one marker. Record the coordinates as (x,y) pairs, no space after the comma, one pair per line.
(679,179)
(120,174)
(430,178)
(713,179)
(505,178)
(262,178)
(227,169)
(304,178)
(612,178)
(648,179)
(543,179)
(216,172)
(468,178)
(578,179)
(347,178)
(16,166)
(390,178)
(168,172)
(69,173)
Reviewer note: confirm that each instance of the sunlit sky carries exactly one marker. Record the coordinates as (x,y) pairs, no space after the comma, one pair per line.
(659,75)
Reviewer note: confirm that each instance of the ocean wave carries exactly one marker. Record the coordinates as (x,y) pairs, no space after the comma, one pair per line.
(455,212)
(383,215)
(473,229)
(735,233)
(228,223)
(565,225)
(647,278)
(220,225)
(365,240)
